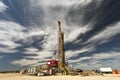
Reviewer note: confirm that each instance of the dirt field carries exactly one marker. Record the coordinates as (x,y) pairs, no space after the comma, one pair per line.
(14,76)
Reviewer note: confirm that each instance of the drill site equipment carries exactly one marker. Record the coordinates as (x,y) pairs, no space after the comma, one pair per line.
(53,67)
(34,70)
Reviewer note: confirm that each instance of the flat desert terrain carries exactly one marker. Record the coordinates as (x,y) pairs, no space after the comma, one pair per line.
(15,76)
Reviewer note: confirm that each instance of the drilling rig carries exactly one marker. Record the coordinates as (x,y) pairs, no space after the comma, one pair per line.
(53,66)
(61,52)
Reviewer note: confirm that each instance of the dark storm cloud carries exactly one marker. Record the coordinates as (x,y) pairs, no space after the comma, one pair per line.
(105,12)
(34,41)
(18,15)
(82,14)
(101,15)
(22,12)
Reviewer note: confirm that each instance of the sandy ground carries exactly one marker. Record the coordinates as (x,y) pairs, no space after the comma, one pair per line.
(14,76)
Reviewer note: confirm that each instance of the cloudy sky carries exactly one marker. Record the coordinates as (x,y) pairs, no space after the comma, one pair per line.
(28,32)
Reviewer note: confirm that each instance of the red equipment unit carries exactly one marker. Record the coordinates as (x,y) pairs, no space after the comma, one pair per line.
(116,71)
(52,63)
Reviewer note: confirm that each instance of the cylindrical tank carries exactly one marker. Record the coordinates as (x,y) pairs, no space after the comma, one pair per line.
(52,63)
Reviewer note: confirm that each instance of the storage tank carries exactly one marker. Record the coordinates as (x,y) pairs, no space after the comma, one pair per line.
(52,63)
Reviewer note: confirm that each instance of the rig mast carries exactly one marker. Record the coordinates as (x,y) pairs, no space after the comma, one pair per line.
(61,52)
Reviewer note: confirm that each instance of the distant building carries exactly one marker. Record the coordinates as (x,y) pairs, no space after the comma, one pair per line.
(107,70)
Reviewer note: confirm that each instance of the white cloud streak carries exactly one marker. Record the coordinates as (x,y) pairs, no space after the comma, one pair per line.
(105,35)
(72,34)
(105,55)
(40,56)
(9,33)
(0,57)
(10,44)
(66,2)
(24,62)
(10,30)
(73,53)
(8,50)
(3,7)
(96,60)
